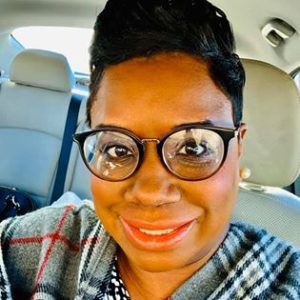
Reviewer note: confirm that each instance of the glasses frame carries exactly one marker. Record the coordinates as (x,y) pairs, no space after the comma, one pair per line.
(225,133)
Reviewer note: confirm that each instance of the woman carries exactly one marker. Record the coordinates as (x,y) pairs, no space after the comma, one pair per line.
(166,136)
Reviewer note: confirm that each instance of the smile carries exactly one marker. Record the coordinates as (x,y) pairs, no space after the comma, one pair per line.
(157,232)
(157,238)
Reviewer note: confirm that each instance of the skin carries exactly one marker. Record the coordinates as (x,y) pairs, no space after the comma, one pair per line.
(150,96)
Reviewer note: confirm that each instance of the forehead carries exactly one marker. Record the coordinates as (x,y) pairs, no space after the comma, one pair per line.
(159,93)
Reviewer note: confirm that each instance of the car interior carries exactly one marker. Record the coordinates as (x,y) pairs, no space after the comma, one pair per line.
(37,85)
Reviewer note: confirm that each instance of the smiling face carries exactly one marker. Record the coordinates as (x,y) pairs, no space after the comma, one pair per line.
(162,222)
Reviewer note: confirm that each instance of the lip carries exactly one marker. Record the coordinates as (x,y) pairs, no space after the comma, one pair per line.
(162,242)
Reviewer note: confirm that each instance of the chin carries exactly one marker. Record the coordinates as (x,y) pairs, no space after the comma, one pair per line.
(159,262)
(164,261)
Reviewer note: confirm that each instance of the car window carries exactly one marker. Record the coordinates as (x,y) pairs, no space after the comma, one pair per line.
(71,42)
(297,79)
(296,187)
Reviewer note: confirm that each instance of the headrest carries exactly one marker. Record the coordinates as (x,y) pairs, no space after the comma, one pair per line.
(43,69)
(272,112)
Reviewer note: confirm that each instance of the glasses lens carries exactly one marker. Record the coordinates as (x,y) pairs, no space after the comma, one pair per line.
(111,155)
(194,153)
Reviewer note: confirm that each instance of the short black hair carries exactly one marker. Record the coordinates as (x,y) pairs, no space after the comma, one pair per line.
(127,29)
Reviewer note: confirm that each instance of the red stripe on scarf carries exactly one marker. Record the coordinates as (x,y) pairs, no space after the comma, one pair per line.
(50,248)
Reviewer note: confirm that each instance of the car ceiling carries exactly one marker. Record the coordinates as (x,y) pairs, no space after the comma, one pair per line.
(248,17)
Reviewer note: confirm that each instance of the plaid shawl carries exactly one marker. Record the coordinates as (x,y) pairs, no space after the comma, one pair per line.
(65,253)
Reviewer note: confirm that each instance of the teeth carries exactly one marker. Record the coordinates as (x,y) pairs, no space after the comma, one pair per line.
(157,232)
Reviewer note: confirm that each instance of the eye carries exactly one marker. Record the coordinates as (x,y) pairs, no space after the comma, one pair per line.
(118,151)
(190,147)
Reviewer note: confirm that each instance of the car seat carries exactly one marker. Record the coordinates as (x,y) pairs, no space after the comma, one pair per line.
(271,151)
(33,109)
(78,176)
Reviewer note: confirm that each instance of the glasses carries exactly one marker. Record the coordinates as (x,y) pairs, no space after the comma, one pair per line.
(190,152)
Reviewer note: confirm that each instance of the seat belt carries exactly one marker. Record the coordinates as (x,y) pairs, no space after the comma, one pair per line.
(66,146)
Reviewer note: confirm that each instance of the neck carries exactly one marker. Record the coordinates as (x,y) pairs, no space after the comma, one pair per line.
(146,285)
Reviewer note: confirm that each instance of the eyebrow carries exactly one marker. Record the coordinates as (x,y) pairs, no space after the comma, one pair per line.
(204,123)
(101,125)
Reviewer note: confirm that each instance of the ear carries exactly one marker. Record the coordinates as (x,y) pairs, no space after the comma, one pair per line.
(242,133)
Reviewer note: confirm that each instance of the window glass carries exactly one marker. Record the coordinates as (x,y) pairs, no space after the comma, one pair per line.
(297,79)
(297,182)
(72,42)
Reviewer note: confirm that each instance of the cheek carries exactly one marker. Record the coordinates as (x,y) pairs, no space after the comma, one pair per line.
(217,194)
(104,195)
(107,202)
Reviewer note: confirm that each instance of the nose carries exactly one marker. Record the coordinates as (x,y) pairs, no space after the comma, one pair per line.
(153,185)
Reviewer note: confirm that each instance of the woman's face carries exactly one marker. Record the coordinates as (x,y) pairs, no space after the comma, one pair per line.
(162,222)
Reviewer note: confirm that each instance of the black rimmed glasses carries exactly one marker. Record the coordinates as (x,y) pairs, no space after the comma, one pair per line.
(190,152)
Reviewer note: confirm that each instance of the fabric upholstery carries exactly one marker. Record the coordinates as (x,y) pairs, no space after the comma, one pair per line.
(78,176)
(32,121)
(274,209)
(271,151)
(44,69)
(33,108)
(272,112)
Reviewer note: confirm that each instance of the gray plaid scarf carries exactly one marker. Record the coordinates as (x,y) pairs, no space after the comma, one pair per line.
(65,253)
